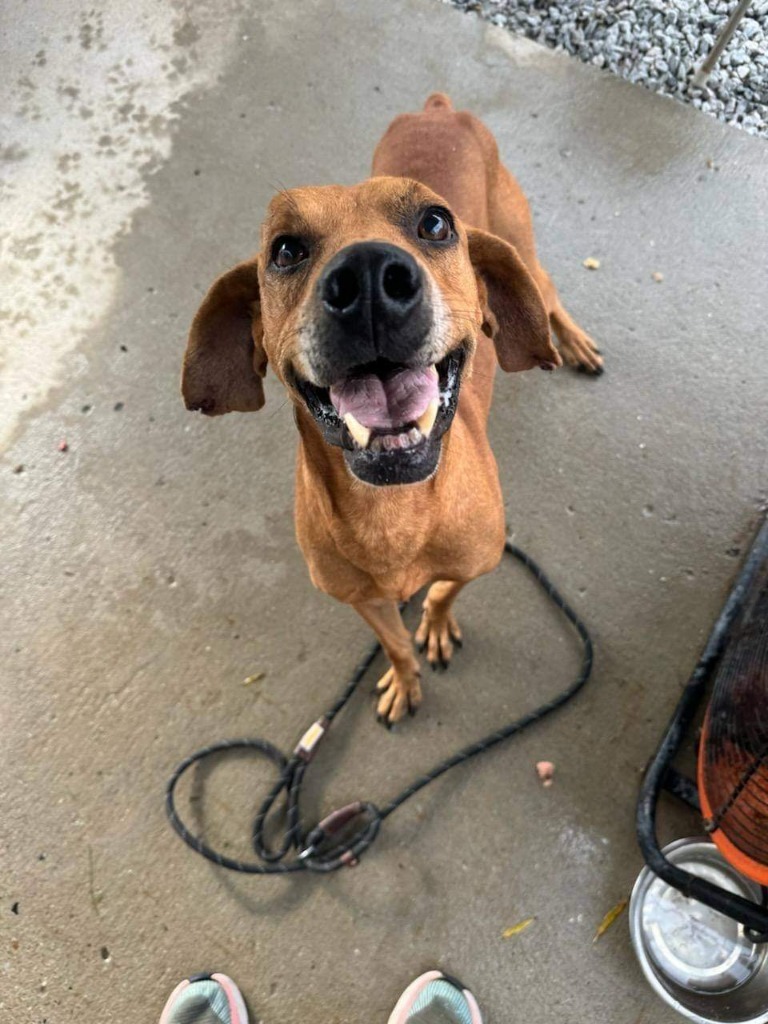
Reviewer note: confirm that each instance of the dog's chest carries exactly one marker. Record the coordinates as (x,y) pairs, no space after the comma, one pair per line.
(385,539)
(381,554)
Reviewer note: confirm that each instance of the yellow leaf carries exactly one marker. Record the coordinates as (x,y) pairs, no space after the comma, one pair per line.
(508,933)
(254,679)
(610,918)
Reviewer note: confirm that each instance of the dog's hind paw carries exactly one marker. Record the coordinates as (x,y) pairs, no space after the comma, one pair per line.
(579,351)
(400,695)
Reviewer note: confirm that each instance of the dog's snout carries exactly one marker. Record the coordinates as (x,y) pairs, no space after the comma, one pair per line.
(371,280)
(372,302)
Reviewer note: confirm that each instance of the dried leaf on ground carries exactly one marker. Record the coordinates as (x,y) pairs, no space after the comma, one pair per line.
(610,918)
(255,678)
(516,929)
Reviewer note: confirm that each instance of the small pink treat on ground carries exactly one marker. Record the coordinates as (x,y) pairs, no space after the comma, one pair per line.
(546,771)
(63,446)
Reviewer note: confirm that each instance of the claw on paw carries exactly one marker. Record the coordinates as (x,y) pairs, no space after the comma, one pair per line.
(399,696)
(581,352)
(438,635)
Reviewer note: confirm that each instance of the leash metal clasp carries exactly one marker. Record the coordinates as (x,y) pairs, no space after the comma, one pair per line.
(329,826)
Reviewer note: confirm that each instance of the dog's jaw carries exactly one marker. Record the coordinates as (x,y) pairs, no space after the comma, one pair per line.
(397,453)
(389,468)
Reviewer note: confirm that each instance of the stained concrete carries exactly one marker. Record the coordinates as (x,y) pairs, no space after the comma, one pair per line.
(151,568)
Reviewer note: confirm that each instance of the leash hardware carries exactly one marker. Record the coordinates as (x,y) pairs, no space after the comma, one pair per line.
(307,745)
(329,826)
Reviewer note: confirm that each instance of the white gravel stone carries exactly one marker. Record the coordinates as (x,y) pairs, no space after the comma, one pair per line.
(656,43)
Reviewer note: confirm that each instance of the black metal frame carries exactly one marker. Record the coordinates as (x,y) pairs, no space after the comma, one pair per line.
(660,773)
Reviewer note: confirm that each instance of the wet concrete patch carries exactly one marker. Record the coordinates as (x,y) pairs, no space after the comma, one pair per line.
(89,116)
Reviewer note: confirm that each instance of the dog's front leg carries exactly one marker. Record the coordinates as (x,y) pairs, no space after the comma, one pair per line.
(400,686)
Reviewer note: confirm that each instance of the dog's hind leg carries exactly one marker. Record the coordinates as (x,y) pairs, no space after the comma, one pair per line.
(576,346)
(400,686)
(510,218)
(438,631)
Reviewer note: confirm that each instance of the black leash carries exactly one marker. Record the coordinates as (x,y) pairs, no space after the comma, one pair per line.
(316,849)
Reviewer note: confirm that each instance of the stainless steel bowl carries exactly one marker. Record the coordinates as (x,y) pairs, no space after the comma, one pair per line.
(699,961)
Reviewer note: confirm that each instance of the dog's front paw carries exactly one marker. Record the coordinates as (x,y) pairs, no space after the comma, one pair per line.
(438,634)
(400,696)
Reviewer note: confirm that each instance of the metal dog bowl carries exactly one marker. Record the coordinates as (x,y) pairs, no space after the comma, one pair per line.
(699,961)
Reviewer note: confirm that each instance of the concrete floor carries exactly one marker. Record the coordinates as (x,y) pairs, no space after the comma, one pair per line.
(151,567)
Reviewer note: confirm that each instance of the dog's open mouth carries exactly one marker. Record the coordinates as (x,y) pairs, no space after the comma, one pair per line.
(389,418)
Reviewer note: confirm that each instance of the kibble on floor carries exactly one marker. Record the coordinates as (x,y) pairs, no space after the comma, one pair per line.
(657,43)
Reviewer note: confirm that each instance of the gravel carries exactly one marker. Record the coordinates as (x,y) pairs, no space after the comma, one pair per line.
(657,43)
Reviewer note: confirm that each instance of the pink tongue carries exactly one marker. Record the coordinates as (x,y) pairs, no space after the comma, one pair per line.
(385,404)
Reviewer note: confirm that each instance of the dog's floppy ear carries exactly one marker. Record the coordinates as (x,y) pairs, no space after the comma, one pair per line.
(225,359)
(513,309)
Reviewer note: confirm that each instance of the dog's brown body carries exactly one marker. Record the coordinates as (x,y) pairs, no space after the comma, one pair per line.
(374,546)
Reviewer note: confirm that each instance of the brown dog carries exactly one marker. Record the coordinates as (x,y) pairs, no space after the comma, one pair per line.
(383,308)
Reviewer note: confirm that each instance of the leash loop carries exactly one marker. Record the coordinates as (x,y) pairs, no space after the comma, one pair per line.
(327,847)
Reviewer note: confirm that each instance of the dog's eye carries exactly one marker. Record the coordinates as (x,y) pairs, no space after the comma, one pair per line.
(289,252)
(435,226)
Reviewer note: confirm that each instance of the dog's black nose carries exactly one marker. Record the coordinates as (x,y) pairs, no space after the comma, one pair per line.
(372,303)
(371,282)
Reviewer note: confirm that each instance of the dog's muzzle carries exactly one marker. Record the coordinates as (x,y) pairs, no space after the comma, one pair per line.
(371,303)
(389,419)
(377,391)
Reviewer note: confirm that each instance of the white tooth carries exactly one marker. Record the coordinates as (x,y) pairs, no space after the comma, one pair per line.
(414,435)
(427,419)
(375,445)
(360,433)
(390,442)
(432,370)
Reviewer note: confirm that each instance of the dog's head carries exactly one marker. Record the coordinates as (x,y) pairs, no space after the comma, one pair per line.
(367,302)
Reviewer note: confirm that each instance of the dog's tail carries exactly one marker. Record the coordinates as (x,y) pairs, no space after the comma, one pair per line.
(438,101)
